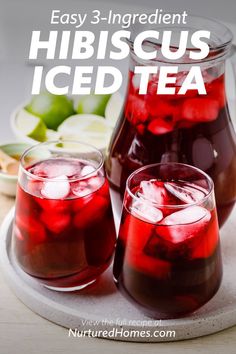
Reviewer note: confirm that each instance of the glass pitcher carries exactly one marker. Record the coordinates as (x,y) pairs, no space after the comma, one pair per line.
(193,129)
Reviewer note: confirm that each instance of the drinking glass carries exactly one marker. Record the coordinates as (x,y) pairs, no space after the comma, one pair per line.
(64,231)
(168,259)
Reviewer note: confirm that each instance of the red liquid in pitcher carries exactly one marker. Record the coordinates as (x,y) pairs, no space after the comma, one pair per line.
(168,260)
(64,230)
(191,128)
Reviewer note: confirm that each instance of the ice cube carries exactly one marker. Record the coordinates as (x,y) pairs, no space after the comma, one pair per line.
(56,168)
(135,232)
(56,188)
(68,169)
(136,110)
(152,266)
(81,192)
(160,248)
(80,189)
(34,186)
(185,193)
(55,222)
(160,126)
(81,202)
(184,224)
(207,244)
(87,170)
(52,204)
(93,212)
(188,215)
(39,170)
(154,191)
(200,109)
(95,183)
(146,211)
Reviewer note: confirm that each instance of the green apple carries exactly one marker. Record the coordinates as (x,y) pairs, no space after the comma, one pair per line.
(53,109)
(31,126)
(93,104)
(88,128)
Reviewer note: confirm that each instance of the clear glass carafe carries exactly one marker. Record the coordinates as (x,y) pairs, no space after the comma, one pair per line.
(191,128)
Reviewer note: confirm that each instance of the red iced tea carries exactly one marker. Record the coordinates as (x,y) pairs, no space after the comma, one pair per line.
(168,259)
(64,231)
(188,128)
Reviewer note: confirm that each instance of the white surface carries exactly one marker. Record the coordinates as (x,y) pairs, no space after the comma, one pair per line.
(104,302)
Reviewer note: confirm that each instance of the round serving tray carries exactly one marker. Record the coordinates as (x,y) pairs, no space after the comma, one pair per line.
(101,308)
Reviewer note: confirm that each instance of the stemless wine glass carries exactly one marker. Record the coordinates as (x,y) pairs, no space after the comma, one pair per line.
(64,231)
(168,259)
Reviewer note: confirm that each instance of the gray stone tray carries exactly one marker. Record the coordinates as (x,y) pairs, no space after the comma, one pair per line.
(102,308)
